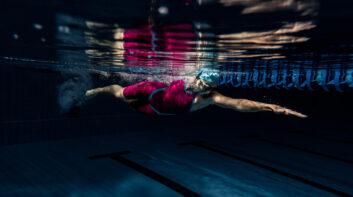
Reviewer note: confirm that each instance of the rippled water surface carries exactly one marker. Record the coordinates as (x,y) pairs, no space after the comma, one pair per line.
(281,43)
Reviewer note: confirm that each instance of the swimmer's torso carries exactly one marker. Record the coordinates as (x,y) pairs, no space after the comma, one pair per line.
(161,99)
(173,99)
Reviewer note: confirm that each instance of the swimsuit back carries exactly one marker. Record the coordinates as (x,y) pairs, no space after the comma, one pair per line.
(172,100)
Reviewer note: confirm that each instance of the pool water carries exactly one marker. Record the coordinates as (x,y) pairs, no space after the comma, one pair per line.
(294,53)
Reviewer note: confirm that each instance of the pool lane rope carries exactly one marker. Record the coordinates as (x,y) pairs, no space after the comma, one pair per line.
(339,80)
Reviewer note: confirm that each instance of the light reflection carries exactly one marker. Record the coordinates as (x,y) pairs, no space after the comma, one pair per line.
(179,50)
(273,39)
(149,45)
(304,7)
(191,45)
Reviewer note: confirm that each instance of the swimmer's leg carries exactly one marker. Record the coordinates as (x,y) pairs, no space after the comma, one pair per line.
(114,90)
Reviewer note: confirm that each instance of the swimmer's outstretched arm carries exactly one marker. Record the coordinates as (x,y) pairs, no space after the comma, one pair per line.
(242,105)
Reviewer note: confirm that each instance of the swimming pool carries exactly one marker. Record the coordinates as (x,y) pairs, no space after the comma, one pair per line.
(296,54)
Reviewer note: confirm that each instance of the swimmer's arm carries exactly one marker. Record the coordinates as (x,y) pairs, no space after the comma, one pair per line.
(245,105)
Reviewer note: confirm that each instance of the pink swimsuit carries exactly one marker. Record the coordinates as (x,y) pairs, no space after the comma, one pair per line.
(160,99)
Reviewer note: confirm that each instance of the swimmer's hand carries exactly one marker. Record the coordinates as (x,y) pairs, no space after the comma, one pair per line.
(282,110)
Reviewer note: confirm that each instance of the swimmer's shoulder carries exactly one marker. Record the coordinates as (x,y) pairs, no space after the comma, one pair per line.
(203,99)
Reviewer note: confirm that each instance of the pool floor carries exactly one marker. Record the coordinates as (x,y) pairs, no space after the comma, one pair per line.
(136,163)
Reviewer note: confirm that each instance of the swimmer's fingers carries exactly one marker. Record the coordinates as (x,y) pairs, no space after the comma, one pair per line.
(281,110)
(294,113)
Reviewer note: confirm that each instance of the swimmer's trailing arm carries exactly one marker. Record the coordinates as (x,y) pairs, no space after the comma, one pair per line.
(245,105)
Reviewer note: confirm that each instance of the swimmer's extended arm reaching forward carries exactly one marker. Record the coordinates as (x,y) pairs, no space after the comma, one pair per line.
(241,105)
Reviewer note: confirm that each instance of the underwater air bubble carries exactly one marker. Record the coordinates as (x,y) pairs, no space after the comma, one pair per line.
(163,10)
(37,26)
(64,29)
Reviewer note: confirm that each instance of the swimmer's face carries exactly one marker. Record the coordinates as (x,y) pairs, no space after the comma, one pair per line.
(199,85)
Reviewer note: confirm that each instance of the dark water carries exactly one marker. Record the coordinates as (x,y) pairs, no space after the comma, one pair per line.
(270,48)
(295,53)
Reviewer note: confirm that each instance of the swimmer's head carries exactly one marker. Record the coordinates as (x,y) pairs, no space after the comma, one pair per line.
(205,80)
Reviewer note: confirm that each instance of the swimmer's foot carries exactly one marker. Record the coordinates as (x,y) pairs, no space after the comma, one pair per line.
(91,93)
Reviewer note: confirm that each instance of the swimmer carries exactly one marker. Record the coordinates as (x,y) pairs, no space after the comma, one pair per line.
(155,98)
